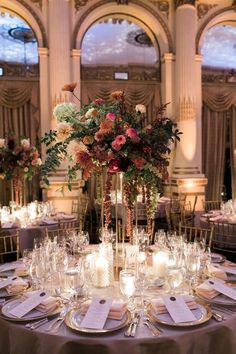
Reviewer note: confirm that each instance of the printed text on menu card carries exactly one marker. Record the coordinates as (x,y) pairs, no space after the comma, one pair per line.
(97,313)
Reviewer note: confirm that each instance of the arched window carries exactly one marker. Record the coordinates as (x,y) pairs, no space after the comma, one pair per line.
(18,46)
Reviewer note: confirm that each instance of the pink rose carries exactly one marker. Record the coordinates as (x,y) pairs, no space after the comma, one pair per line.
(120,139)
(110,116)
(34,162)
(116,146)
(98,101)
(139,162)
(114,166)
(131,132)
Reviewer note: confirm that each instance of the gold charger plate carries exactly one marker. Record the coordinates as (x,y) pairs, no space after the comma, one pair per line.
(74,318)
(202,312)
(31,316)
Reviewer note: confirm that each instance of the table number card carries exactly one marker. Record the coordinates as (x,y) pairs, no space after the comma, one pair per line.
(178,309)
(7,282)
(29,304)
(221,287)
(97,313)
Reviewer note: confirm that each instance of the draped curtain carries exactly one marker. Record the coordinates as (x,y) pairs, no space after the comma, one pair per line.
(218,101)
(135,93)
(19,114)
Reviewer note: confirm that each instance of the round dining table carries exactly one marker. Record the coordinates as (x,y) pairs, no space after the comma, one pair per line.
(211,337)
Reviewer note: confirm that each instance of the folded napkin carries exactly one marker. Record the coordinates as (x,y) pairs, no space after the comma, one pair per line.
(159,306)
(21,271)
(213,271)
(8,225)
(232,219)
(206,291)
(47,305)
(18,285)
(216,218)
(116,312)
(229,264)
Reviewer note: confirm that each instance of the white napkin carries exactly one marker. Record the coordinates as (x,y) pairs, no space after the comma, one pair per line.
(18,285)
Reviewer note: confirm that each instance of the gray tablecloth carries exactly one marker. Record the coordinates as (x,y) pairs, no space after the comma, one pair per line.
(210,338)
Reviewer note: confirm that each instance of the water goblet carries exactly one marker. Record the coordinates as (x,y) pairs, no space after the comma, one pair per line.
(127,281)
(174,277)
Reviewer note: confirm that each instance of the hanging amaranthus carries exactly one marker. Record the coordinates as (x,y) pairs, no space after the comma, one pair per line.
(107,201)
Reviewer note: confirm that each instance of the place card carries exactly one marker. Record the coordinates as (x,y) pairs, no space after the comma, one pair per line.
(29,304)
(7,281)
(178,309)
(97,313)
(10,266)
(219,286)
(226,269)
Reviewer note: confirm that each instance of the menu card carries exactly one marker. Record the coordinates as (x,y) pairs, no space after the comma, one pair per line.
(178,309)
(227,269)
(7,282)
(29,304)
(97,313)
(219,286)
(10,266)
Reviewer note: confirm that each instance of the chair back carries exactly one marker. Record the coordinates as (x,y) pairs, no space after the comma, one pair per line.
(224,240)
(209,205)
(9,244)
(193,234)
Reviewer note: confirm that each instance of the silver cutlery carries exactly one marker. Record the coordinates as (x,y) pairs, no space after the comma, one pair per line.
(34,325)
(217,316)
(149,322)
(55,325)
(128,331)
(135,325)
(152,328)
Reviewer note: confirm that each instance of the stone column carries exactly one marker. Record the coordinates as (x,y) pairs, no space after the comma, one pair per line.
(76,72)
(167,88)
(44,89)
(187,173)
(59,12)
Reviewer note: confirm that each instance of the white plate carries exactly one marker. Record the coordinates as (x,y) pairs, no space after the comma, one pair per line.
(31,316)
(202,314)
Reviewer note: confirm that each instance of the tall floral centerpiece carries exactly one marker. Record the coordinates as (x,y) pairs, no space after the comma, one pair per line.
(108,138)
(19,161)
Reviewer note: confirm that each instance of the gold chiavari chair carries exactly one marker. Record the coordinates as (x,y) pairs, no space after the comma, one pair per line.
(209,205)
(68,224)
(224,239)
(193,234)
(9,245)
(61,234)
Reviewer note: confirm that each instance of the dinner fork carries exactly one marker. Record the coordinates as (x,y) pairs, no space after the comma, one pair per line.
(55,325)
(149,322)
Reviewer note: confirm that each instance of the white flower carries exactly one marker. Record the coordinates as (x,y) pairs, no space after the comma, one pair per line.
(2,143)
(92,112)
(64,110)
(140,108)
(25,143)
(63,131)
(39,162)
(26,169)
